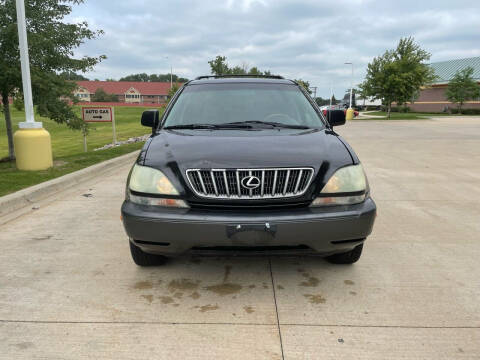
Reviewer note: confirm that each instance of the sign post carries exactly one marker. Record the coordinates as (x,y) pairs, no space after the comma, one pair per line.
(84,140)
(113,127)
(98,114)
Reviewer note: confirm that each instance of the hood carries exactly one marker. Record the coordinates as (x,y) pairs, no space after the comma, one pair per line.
(207,149)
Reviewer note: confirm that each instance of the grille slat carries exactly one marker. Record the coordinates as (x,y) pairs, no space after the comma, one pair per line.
(201,181)
(227,183)
(286,182)
(274,182)
(298,180)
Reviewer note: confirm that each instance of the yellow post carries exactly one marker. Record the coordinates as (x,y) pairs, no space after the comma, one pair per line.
(349,115)
(33,149)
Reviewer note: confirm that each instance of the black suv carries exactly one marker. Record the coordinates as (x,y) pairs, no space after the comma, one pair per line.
(246,164)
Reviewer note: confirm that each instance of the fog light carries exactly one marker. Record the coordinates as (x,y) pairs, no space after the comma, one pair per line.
(144,200)
(338,200)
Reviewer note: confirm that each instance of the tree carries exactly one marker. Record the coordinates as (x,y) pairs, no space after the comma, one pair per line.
(18,101)
(305,84)
(153,78)
(51,43)
(462,88)
(321,101)
(334,101)
(102,96)
(254,71)
(414,72)
(397,75)
(172,92)
(362,94)
(70,75)
(219,66)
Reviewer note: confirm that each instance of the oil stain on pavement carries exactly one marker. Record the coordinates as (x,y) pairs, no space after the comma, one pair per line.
(315,298)
(143,285)
(208,307)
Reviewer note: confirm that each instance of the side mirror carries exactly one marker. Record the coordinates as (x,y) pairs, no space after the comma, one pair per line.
(336,117)
(151,118)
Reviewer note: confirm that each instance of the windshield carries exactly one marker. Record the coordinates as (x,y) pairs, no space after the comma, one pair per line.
(254,103)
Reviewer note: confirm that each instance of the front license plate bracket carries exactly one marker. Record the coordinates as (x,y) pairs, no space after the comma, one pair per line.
(266,228)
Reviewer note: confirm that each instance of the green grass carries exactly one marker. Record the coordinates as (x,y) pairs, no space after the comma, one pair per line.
(401,116)
(67,147)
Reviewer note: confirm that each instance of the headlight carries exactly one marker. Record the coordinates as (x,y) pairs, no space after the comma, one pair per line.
(349,180)
(150,181)
(146,180)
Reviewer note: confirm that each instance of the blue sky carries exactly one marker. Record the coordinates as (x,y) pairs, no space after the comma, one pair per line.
(297,39)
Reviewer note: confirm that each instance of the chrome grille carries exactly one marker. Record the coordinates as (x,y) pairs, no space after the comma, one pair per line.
(227,183)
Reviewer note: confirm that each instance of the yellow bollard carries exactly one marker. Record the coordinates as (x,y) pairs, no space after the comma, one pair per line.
(33,149)
(349,114)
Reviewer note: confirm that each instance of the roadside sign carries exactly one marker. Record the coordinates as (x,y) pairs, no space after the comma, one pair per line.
(98,114)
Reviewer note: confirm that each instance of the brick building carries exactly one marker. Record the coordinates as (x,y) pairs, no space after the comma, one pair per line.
(127,91)
(433,98)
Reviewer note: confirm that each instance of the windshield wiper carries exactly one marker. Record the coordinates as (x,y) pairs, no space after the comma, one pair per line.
(271,123)
(209,126)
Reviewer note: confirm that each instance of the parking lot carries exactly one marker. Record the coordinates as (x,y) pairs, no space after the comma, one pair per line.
(69,289)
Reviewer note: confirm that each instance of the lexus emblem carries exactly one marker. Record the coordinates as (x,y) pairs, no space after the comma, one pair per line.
(250,182)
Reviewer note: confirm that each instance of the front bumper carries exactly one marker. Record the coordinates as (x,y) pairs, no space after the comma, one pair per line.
(325,230)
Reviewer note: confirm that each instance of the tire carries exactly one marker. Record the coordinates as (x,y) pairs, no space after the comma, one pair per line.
(142,258)
(348,257)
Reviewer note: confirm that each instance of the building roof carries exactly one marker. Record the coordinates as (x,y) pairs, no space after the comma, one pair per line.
(445,70)
(121,87)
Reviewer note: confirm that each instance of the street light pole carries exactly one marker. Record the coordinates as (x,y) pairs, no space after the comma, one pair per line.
(30,122)
(331,95)
(351,83)
(33,147)
(349,114)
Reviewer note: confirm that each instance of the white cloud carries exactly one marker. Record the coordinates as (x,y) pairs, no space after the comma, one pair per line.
(308,39)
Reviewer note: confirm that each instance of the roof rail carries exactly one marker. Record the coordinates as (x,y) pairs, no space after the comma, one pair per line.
(239,75)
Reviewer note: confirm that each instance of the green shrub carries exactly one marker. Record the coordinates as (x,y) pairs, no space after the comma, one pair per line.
(375,107)
(401,109)
(467,111)
(18,102)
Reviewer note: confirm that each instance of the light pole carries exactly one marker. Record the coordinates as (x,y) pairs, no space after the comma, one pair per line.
(171,72)
(33,147)
(349,115)
(331,95)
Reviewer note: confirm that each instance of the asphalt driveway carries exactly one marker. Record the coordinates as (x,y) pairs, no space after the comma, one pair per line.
(69,290)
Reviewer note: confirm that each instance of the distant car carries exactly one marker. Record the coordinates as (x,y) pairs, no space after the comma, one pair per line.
(336,107)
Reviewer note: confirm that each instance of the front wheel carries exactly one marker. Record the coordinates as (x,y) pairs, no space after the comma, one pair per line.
(142,258)
(348,257)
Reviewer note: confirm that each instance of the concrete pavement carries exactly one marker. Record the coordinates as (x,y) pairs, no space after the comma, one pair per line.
(69,290)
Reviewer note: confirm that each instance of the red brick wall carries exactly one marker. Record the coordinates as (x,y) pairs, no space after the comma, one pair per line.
(433,99)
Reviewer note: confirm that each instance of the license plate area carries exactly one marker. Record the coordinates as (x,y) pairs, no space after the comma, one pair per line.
(251,234)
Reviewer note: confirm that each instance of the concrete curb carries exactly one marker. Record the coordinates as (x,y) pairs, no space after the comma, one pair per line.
(26,197)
